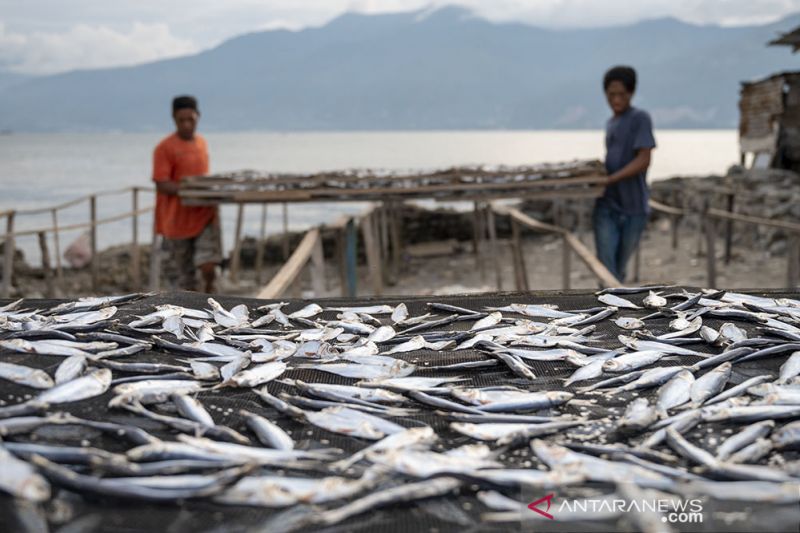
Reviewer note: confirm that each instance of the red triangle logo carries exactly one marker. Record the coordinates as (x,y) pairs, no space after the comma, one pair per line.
(535,506)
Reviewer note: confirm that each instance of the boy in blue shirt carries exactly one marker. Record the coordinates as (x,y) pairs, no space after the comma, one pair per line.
(620,215)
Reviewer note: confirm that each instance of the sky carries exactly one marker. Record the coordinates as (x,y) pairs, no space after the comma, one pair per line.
(50,36)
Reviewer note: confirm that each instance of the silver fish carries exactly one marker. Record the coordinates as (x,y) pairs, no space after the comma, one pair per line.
(409,383)
(92,384)
(639,344)
(264,456)
(676,391)
(789,369)
(694,325)
(174,325)
(625,322)
(403,493)
(268,433)
(516,365)
(235,366)
(745,491)
(730,333)
(257,375)
(710,384)
(616,301)
(651,378)
(365,371)
(638,416)
(425,463)
(489,320)
(412,438)
(23,375)
(224,317)
(654,301)
(20,479)
(283,491)
(632,361)
(738,389)
(400,314)
(370,310)
(71,368)
(709,335)
(38,347)
(743,438)
(192,409)
(153,391)
(204,371)
(752,453)
(528,402)
(354,423)
(415,343)
(590,371)
(533,311)
(787,437)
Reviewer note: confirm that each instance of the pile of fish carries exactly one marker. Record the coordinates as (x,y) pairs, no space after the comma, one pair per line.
(620,413)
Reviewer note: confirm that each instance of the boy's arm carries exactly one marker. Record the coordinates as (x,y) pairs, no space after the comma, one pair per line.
(162,172)
(638,165)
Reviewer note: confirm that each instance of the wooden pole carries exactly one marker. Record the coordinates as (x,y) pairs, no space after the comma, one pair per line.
(373,254)
(396,238)
(155,260)
(57,246)
(8,255)
(285,231)
(792,260)
(520,272)
(675,220)
(351,258)
(382,229)
(46,270)
(318,269)
(341,259)
(136,267)
(566,259)
(711,255)
(729,229)
(236,258)
(493,248)
(478,234)
(262,242)
(95,261)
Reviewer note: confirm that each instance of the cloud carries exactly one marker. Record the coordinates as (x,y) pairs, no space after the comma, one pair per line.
(88,46)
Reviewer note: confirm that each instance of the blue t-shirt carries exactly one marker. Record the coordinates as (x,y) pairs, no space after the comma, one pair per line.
(625,135)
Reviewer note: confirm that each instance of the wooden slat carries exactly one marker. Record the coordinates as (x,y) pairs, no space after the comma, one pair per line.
(291,268)
(83,225)
(737,217)
(664,208)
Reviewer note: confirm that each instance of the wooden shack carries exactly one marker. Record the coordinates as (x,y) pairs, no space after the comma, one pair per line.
(769,124)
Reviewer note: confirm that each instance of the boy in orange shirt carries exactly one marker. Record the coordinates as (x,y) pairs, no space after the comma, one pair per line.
(191,233)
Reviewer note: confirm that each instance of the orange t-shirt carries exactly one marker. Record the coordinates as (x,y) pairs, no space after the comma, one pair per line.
(173,160)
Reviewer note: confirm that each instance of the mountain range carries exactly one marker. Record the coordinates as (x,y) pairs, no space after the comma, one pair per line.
(442,69)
